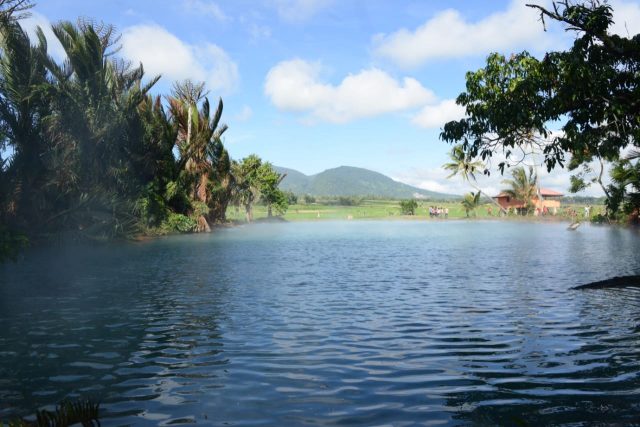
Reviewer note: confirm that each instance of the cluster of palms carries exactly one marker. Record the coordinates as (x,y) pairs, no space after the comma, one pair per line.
(523,186)
(89,150)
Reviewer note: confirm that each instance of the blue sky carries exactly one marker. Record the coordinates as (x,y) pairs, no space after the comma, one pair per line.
(316,84)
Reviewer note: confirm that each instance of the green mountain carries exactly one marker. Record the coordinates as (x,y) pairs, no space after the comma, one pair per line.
(351,181)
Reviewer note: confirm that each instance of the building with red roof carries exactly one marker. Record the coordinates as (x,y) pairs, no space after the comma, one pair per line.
(550,200)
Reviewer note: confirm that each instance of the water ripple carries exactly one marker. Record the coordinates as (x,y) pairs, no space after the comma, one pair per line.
(366,323)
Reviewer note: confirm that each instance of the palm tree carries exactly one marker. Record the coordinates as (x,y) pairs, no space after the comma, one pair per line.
(95,125)
(190,94)
(624,190)
(463,165)
(13,10)
(470,202)
(247,188)
(203,157)
(523,186)
(22,107)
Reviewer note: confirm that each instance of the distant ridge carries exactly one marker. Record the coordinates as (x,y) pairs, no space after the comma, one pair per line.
(352,181)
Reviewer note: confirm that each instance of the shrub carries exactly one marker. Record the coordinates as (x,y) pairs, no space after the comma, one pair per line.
(11,243)
(179,223)
(408,207)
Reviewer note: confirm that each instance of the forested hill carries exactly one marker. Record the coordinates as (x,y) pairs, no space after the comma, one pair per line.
(352,181)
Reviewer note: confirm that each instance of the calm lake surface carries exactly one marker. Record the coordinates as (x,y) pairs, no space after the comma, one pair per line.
(345,323)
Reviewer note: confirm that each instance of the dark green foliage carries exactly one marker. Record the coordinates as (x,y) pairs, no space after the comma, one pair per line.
(270,194)
(408,207)
(67,413)
(256,181)
(346,201)
(12,10)
(308,199)
(624,190)
(11,243)
(592,88)
(178,223)
(93,152)
(578,184)
(292,198)
(471,202)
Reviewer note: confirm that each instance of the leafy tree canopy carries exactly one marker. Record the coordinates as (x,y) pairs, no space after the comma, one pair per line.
(408,207)
(591,91)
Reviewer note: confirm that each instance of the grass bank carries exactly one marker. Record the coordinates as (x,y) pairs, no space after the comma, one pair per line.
(390,209)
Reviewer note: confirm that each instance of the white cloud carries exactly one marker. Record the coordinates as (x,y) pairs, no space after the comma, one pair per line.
(435,116)
(626,17)
(295,85)
(161,52)
(300,10)
(208,8)
(245,114)
(54,48)
(258,32)
(449,35)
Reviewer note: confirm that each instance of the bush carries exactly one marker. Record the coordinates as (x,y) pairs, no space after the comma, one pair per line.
(150,207)
(11,243)
(344,201)
(308,199)
(408,207)
(178,223)
(291,197)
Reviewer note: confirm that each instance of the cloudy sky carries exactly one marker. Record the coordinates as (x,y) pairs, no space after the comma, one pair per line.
(316,84)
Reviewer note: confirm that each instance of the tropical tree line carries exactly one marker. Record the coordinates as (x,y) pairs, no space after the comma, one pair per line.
(87,150)
(590,92)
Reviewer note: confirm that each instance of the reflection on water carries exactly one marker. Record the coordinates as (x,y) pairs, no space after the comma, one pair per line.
(330,323)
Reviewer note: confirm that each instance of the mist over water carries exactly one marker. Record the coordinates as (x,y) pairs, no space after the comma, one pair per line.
(345,323)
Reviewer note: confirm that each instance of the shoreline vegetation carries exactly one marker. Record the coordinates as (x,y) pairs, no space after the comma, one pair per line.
(391,210)
(87,150)
(89,153)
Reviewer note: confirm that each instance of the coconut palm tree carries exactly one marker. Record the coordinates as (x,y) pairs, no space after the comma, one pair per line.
(471,202)
(463,165)
(523,186)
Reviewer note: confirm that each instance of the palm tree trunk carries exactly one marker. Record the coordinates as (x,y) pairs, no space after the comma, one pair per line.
(487,196)
(606,192)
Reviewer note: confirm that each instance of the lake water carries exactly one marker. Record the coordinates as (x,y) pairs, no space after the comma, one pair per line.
(345,323)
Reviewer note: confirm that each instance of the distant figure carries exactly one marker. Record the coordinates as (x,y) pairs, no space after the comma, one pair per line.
(587,210)
(446,212)
(490,211)
(555,211)
(349,216)
(318,214)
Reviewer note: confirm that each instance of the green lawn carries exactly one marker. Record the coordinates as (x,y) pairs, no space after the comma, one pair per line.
(387,209)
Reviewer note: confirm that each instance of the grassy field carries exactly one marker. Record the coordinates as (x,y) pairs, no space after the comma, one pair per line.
(390,209)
